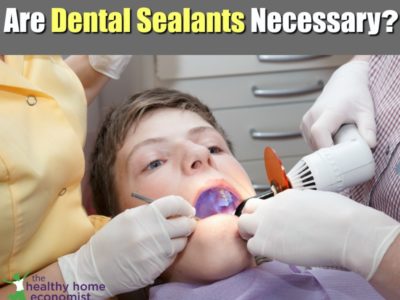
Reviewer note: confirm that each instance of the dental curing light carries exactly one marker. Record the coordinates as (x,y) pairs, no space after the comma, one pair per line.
(347,163)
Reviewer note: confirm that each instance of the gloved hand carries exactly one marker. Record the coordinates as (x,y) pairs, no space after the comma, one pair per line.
(314,228)
(110,65)
(345,99)
(133,249)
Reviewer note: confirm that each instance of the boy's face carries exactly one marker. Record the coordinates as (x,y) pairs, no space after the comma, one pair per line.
(176,152)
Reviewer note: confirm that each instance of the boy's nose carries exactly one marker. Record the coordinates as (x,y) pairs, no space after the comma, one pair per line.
(196,164)
(196,159)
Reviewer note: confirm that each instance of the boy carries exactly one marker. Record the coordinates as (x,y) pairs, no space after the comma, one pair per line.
(164,142)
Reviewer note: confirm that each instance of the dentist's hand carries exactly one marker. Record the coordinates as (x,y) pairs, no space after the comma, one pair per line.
(110,65)
(133,249)
(313,228)
(345,99)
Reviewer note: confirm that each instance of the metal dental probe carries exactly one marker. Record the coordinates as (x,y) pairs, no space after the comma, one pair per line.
(147,199)
(143,198)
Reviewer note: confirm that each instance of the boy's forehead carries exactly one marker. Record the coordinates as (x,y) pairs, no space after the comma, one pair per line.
(167,121)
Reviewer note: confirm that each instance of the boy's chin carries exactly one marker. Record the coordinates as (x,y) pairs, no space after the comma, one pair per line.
(214,251)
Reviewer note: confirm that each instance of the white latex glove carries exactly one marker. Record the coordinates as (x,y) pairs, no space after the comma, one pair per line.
(110,65)
(133,249)
(345,99)
(314,228)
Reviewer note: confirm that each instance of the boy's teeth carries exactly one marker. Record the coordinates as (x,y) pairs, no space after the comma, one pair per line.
(214,201)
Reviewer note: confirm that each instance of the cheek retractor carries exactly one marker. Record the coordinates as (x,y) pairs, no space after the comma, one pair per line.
(216,201)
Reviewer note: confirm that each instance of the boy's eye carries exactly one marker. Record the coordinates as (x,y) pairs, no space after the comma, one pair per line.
(214,149)
(154,164)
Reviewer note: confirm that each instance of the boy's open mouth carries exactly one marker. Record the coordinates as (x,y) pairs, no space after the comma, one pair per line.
(216,200)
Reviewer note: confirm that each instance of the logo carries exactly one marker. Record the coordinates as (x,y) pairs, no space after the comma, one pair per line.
(19,283)
(37,287)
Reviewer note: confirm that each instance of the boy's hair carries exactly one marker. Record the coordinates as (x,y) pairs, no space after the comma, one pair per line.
(114,130)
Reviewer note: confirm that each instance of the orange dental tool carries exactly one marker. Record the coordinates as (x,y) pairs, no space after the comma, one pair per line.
(276,177)
(276,173)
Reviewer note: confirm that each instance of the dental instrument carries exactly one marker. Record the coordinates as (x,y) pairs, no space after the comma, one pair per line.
(347,163)
(141,197)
